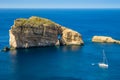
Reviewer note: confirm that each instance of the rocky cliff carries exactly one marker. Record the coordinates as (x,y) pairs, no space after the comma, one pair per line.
(104,39)
(36,31)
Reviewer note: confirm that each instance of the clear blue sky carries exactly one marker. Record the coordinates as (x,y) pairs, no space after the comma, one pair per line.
(59,3)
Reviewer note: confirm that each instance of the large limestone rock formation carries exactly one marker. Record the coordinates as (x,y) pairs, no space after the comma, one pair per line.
(35,32)
(104,39)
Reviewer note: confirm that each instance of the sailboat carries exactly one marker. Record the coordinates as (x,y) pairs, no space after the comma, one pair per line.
(104,63)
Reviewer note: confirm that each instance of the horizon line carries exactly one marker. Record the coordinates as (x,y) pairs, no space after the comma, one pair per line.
(60,8)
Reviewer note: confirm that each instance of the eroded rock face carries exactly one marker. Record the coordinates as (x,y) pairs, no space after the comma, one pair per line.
(71,37)
(104,39)
(35,32)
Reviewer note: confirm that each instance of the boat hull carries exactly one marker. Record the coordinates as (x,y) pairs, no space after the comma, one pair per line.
(103,65)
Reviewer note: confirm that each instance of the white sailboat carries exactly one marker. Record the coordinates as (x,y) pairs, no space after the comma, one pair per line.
(104,63)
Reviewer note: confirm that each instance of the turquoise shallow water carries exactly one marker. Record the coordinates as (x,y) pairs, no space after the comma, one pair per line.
(65,62)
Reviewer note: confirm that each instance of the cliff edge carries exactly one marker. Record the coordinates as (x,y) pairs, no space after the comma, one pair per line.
(36,32)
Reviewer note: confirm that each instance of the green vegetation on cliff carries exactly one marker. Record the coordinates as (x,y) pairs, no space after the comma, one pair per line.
(34,22)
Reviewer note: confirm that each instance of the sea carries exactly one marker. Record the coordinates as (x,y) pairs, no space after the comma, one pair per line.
(63,62)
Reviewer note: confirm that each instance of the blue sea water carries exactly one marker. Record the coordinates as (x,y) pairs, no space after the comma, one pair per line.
(64,62)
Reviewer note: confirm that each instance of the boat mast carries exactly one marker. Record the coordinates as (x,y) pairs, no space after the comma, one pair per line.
(104,58)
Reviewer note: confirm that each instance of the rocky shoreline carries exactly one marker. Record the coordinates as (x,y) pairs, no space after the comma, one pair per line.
(42,32)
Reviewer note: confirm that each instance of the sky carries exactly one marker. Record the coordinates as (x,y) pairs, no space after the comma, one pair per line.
(59,3)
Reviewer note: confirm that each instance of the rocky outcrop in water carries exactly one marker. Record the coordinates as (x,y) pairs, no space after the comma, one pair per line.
(36,32)
(104,39)
(70,37)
